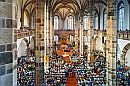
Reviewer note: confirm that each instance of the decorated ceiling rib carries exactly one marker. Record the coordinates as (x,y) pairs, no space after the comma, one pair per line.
(64,7)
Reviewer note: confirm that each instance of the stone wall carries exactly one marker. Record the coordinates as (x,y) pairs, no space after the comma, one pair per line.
(7,44)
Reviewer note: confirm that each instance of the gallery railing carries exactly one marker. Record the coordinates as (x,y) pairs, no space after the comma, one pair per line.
(124,35)
(21,33)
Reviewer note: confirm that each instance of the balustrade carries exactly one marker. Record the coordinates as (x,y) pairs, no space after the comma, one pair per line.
(21,33)
(124,35)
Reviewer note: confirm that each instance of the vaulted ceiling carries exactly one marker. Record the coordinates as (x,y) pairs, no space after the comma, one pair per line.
(27,5)
(64,7)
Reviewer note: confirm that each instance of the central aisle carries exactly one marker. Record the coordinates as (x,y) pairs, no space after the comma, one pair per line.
(71,81)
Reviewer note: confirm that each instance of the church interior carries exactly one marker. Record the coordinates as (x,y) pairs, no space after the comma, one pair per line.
(64,42)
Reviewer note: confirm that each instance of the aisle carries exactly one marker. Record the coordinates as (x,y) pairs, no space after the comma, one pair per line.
(71,81)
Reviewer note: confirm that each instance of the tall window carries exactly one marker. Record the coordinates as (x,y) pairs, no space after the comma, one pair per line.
(104,19)
(71,38)
(56,22)
(71,23)
(56,39)
(121,16)
(96,21)
(85,22)
(26,19)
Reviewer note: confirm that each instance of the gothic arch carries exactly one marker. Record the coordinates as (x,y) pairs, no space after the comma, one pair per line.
(124,53)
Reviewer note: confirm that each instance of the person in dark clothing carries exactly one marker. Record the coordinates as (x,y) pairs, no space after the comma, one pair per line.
(89,83)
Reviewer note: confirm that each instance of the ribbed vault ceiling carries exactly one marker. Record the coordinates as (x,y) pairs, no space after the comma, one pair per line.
(64,7)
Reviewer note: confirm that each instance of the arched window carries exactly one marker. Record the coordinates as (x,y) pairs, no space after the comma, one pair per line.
(70,23)
(96,21)
(71,38)
(121,16)
(104,19)
(85,19)
(26,19)
(56,22)
(56,39)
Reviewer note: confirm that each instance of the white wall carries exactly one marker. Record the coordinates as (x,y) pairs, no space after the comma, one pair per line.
(118,52)
(128,58)
(122,43)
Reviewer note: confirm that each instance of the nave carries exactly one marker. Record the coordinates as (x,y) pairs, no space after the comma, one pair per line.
(64,42)
(66,69)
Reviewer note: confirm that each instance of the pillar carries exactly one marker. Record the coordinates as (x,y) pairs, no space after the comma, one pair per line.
(47,29)
(46,36)
(8,38)
(90,37)
(51,32)
(45,26)
(81,36)
(39,42)
(111,43)
(76,32)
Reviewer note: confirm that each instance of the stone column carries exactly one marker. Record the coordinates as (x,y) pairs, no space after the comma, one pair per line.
(46,36)
(90,37)
(39,41)
(8,57)
(111,43)
(81,36)
(51,32)
(90,32)
(76,32)
(45,26)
